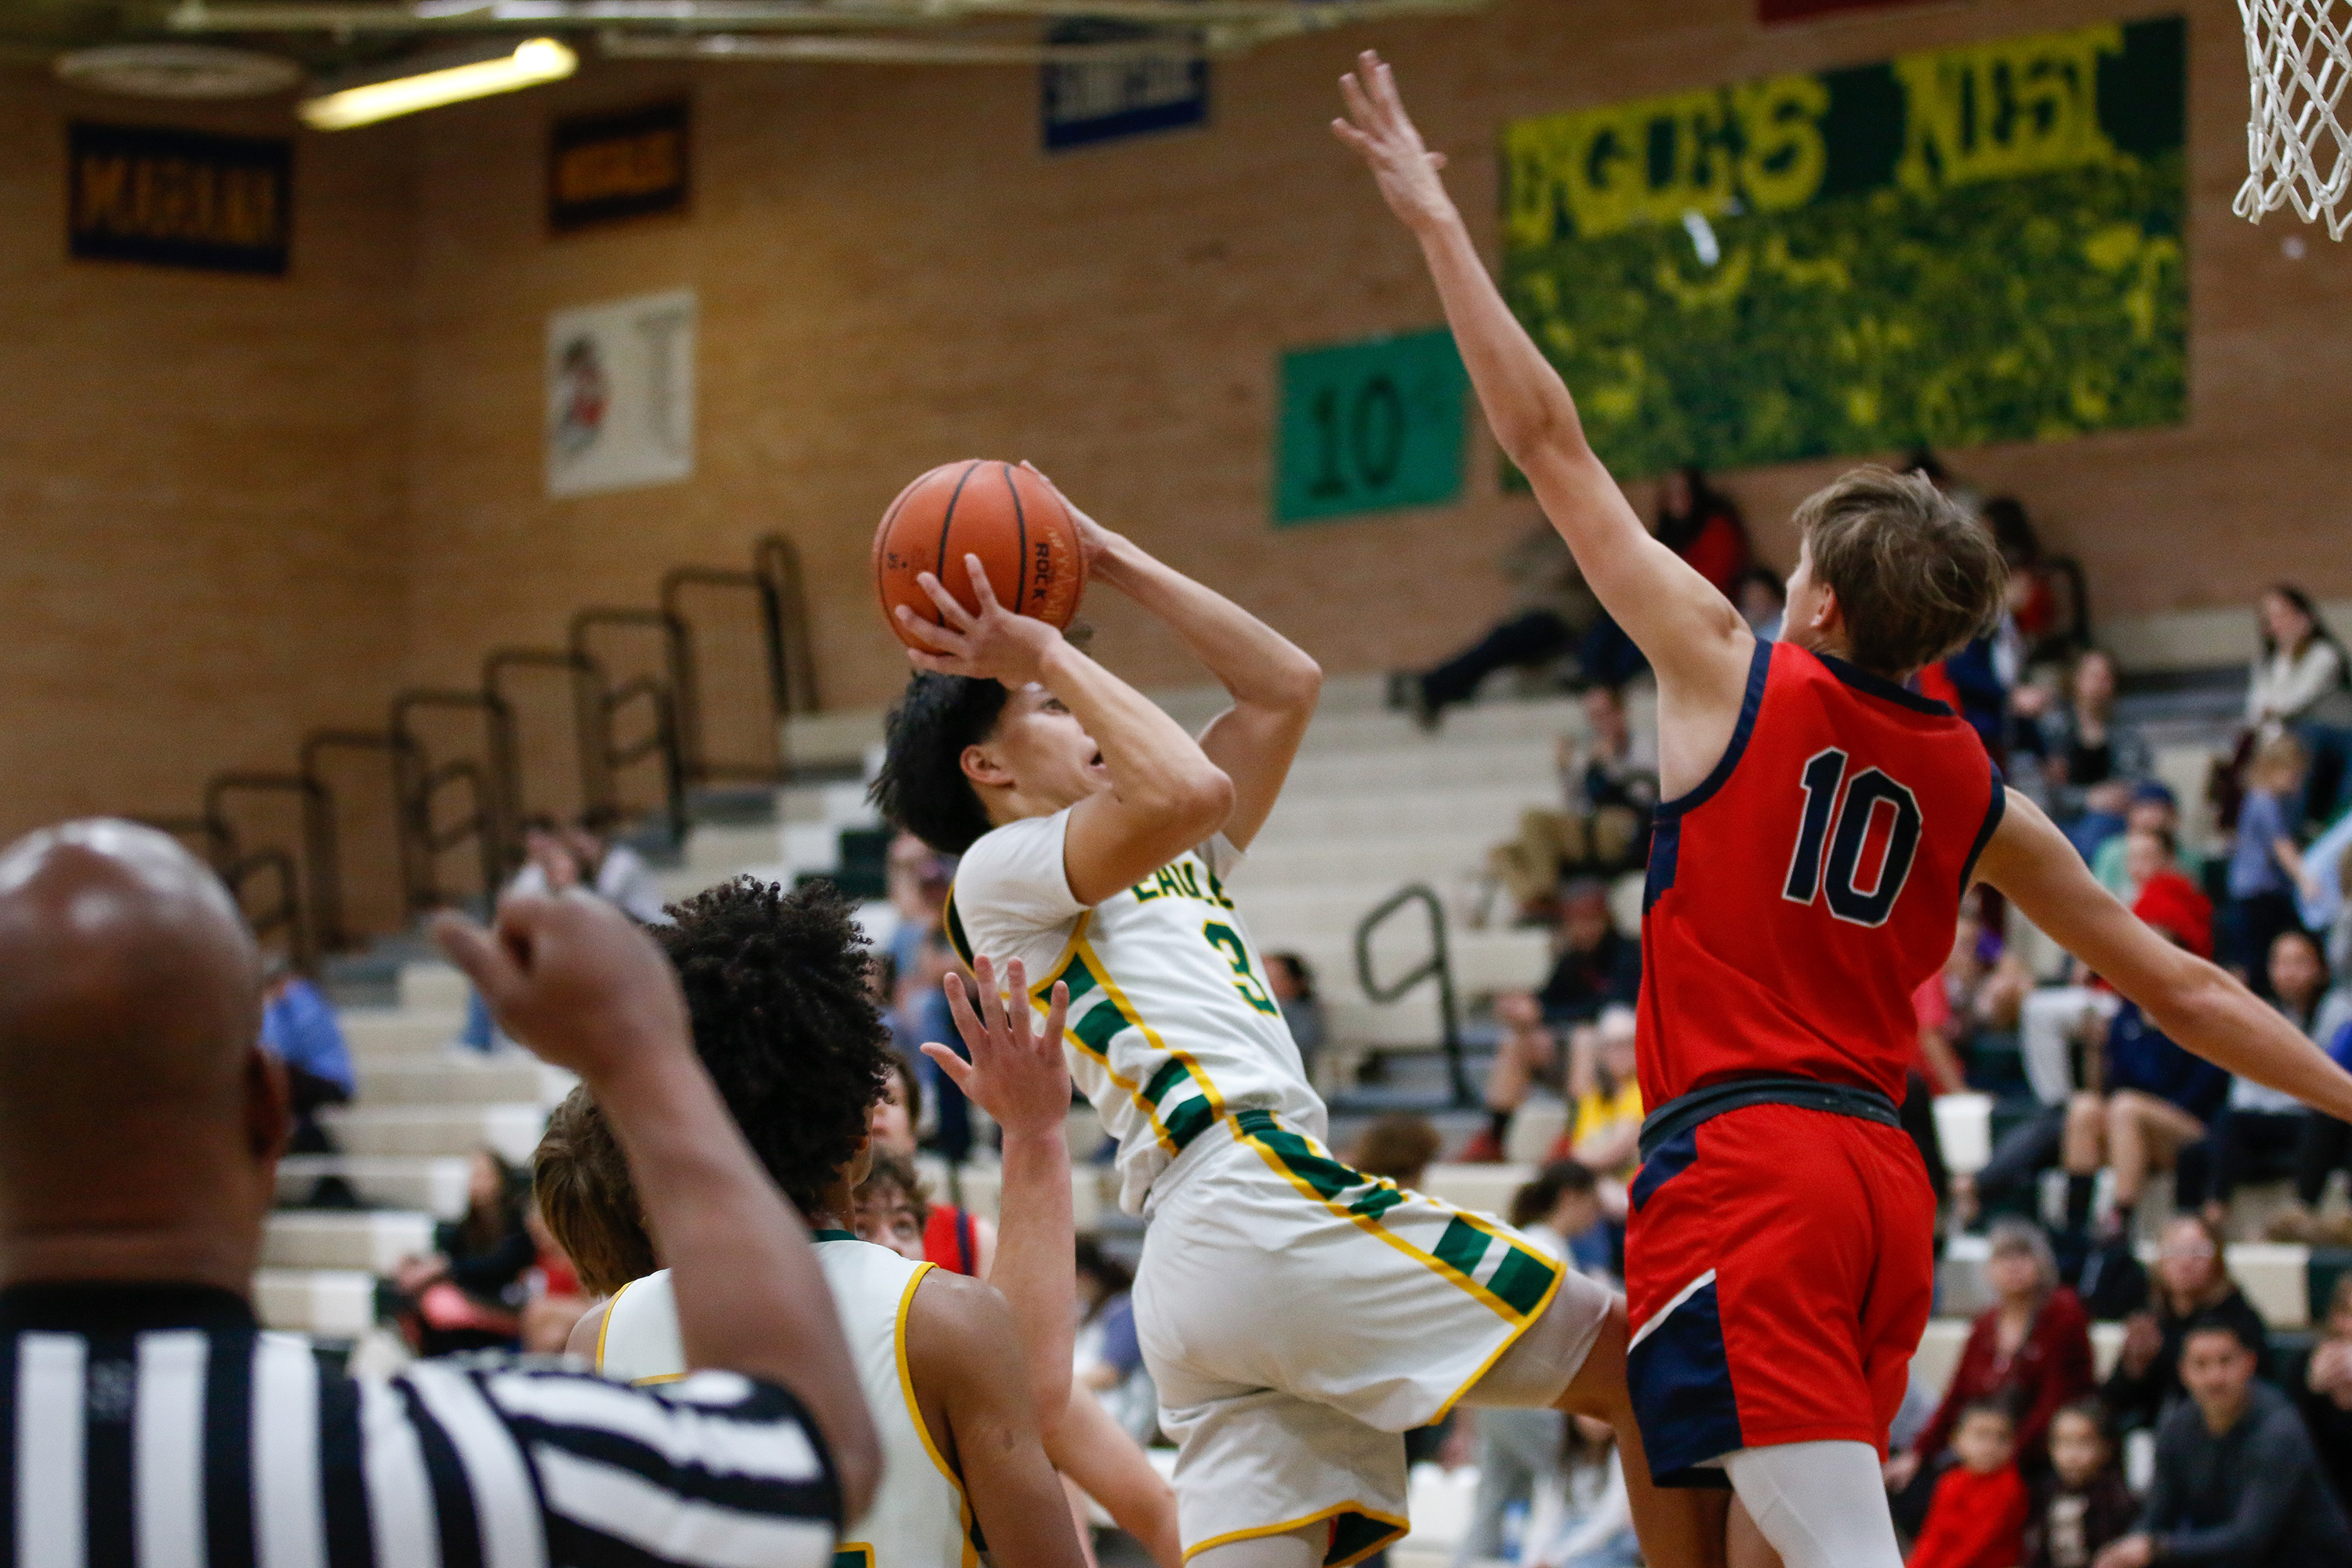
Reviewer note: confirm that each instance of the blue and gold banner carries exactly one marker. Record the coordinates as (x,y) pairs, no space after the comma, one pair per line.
(179,198)
(1961,247)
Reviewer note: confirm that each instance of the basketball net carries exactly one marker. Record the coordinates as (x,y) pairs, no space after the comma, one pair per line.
(2298,152)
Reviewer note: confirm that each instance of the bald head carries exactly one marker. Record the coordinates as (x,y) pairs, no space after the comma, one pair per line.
(127,976)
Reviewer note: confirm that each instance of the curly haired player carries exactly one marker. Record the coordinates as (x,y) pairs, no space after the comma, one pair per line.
(1822,822)
(776,994)
(1297,1316)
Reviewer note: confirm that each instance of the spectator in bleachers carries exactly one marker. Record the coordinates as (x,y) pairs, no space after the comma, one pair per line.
(921,959)
(1561,1210)
(1978,1520)
(1698,524)
(2259,1134)
(2326,1144)
(2265,864)
(2042,600)
(955,1238)
(2154,809)
(2190,1284)
(2238,1484)
(2153,1100)
(1553,611)
(2065,747)
(892,1204)
(558,1301)
(1596,964)
(1762,600)
(614,872)
(298,1026)
(1604,1097)
(1583,1518)
(2082,1504)
(1293,985)
(470,1293)
(2028,1354)
(1399,1146)
(1107,1350)
(2302,683)
(1608,783)
(2327,1393)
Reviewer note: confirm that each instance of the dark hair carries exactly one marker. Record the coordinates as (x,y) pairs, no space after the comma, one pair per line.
(481,1229)
(2092,1409)
(775,986)
(1915,576)
(1556,1180)
(1994,1408)
(911,1085)
(581,1182)
(921,787)
(2219,1323)
(2309,607)
(896,1171)
(1300,974)
(1095,1263)
(2012,531)
(1398,1145)
(2166,836)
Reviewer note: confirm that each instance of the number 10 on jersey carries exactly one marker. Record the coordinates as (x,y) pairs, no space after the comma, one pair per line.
(1838,818)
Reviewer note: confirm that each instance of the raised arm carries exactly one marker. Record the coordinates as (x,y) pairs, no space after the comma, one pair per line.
(1165,794)
(1693,637)
(571,978)
(963,1361)
(2194,1003)
(1273,683)
(1017,1074)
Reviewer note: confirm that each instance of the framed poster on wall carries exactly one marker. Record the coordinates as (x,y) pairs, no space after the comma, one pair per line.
(620,395)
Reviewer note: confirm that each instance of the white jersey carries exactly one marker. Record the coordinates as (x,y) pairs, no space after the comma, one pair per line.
(918,1517)
(1172,1023)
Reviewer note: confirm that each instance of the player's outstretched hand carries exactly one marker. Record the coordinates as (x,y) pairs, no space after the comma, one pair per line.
(995,644)
(1383,134)
(1016,1073)
(572,978)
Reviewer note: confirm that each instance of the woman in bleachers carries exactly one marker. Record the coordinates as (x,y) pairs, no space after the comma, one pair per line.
(2257,1136)
(2326,1392)
(2303,682)
(2065,747)
(2029,1351)
(469,1294)
(2191,1282)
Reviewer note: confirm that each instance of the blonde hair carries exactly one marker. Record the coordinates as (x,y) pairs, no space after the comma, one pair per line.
(2277,763)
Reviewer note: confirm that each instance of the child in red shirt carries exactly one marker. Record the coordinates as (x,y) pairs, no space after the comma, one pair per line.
(1978,1520)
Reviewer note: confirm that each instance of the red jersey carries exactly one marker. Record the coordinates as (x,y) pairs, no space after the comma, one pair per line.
(1802,894)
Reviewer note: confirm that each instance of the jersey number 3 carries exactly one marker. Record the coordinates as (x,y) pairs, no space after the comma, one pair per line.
(1841,820)
(1228,941)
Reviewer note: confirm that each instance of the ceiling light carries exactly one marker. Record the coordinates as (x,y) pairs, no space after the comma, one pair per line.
(431,80)
(178,70)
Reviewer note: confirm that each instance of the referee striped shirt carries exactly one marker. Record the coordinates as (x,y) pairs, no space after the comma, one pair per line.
(158,1427)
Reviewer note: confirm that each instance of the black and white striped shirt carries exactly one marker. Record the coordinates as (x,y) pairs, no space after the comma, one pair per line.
(158,1427)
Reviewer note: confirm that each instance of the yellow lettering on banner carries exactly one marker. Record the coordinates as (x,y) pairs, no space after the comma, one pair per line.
(1604,170)
(1996,112)
(624,166)
(101,191)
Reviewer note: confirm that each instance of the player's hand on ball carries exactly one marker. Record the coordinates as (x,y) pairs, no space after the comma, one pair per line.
(1016,1073)
(995,644)
(1383,134)
(1094,539)
(572,978)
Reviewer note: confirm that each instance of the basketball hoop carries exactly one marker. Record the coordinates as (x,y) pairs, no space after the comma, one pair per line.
(2298,152)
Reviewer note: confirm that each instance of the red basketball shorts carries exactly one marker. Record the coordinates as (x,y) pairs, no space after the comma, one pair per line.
(1779,1266)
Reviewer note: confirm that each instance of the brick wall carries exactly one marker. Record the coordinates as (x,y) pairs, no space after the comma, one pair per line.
(892,274)
(201,480)
(237,510)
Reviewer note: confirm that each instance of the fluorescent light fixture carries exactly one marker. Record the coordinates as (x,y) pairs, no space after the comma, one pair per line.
(430,81)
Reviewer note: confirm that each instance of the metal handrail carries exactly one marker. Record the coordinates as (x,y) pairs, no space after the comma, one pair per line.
(492,823)
(587,716)
(284,913)
(777,559)
(698,765)
(322,931)
(407,759)
(661,695)
(1438,965)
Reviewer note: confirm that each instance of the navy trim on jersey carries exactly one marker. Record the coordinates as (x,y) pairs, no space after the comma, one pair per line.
(1994,813)
(1759,670)
(1680,1375)
(1669,1160)
(1665,853)
(1878,686)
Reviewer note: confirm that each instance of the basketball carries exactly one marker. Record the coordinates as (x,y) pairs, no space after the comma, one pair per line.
(1005,514)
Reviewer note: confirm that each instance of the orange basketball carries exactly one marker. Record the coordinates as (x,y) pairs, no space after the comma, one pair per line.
(1004,513)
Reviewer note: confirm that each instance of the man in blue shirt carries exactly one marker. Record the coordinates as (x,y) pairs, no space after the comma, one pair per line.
(300,1028)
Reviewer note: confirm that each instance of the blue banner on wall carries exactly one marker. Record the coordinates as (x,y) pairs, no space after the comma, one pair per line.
(1091,102)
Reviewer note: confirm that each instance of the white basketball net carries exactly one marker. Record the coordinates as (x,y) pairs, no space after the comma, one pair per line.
(2298,152)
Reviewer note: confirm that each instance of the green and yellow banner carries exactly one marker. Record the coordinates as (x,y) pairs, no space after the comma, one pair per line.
(1961,247)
